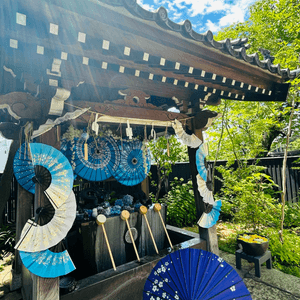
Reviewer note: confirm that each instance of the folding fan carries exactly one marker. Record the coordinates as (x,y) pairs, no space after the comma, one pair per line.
(205,191)
(201,153)
(194,274)
(35,162)
(187,139)
(134,165)
(47,263)
(208,220)
(57,222)
(103,158)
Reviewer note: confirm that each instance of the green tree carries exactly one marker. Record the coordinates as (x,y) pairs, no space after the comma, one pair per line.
(165,153)
(253,129)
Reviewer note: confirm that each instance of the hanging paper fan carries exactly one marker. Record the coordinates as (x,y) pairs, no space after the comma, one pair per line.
(47,263)
(57,222)
(204,190)
(208,220)
(187,139)
(194,274)
(102,159)
(134,165)
(35,162)
(201,153)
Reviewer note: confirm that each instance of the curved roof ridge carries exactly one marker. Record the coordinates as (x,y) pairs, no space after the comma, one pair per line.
(236,48)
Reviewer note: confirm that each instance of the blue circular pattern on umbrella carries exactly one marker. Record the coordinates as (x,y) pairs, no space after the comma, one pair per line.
(103,158)
(31,155)
(200,162)
(194,274)
(48,264)
(135,163)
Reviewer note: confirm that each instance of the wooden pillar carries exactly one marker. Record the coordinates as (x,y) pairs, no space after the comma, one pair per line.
(45,288)
(145,186)
(24,206)
(210,234)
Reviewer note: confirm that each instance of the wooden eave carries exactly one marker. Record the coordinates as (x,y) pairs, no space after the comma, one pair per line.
(179,62)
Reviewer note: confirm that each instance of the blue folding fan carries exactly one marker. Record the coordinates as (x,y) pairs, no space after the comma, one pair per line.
(194,274)
(103,158)
(134,165)
(48,264)
(208,220)
(45,165)
(201,153)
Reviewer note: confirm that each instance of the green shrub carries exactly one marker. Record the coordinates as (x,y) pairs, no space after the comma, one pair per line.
(180,200)
(291,215)
(7,240)
(286,256)
(247,196)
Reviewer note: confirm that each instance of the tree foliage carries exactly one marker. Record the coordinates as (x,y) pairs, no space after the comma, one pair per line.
(165,153)
(251,128)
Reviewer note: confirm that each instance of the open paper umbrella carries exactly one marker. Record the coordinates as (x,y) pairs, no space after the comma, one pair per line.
(47,263)
(201,153)
(194,274)
(35,162)
(103,158)
(208,220)
(57,222)
(134,165)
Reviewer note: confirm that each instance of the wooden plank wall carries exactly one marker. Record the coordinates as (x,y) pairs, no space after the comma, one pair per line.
(122,251)
(273,168)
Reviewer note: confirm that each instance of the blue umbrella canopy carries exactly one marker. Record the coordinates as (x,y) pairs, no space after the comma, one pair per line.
(201,153)
(48,264)
(208,220)
(135,163)
(47,166)
(194,274)
(103,158)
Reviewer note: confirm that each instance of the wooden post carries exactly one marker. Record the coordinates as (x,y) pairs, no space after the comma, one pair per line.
(45,288)
(145,186)
(210,234)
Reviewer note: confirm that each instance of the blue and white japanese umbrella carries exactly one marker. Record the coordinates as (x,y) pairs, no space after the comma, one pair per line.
(47,166)
(101,159)
(135,163)
(192,274)
(48,263)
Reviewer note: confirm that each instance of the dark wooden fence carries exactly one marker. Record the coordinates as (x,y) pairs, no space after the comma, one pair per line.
(273,167)
(182,170)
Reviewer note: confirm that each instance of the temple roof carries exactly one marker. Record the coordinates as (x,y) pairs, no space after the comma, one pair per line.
(93,49)
(236,48)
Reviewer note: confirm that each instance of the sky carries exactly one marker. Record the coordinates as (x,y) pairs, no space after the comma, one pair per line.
(203,14)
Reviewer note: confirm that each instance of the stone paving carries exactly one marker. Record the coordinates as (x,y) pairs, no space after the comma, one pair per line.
(272,285)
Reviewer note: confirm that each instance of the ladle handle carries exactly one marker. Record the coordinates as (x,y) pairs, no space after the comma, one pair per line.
(108,247)
(162,221)
(150,231)
(133,243)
